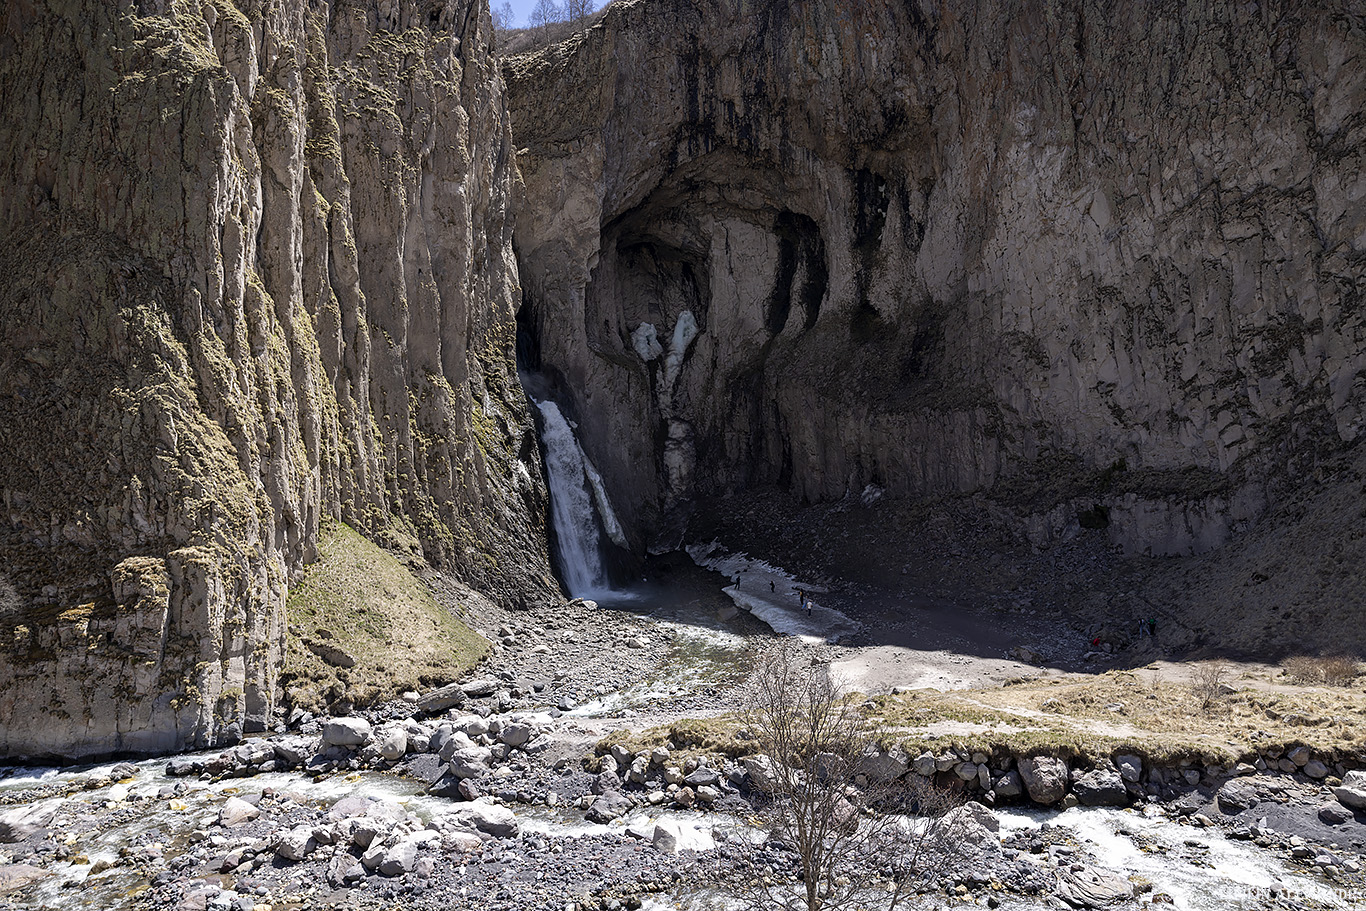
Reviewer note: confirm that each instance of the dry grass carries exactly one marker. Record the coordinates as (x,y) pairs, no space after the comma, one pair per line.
(1089,717)
(361,600)
(1336,670)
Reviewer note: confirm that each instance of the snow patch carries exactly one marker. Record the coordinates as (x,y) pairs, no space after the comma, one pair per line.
(771,594)
(685,331)
(646,342)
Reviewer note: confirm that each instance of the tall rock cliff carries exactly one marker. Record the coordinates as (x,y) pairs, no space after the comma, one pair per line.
(1106,261)
(257,271)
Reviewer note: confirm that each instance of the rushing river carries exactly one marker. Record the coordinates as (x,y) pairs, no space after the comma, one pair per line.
(1200,869)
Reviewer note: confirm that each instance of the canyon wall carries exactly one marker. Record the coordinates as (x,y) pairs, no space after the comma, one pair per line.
(1105,262)
(257,272)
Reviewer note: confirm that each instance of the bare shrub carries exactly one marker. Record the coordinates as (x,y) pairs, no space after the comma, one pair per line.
(10,602)
(1302,669)
(1336,670)
(1210,683)
(826,820)
(1339,670)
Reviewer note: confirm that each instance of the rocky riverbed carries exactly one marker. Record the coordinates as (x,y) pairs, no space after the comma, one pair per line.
(500,792)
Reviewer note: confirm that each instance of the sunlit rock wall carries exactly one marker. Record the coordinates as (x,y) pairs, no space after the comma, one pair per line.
(1104,261)
(257,270)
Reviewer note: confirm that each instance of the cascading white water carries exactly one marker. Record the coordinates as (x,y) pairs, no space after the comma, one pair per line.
(572,505)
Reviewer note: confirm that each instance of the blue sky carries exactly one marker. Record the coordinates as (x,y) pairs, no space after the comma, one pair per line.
(522,8)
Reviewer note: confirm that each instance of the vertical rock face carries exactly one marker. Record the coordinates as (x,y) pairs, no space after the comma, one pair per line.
(257,270)
(1120,248)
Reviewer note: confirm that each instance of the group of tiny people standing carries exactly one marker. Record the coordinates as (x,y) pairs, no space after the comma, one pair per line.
(802,594)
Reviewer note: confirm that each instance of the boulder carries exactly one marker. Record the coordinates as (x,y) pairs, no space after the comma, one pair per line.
(1101,787)
(1091,888)
(419,736)
(478,689)
(1236,796)
(1045,778)
(1334,815)
(924,765)
(702,776)
(605,781)
(447,785)
(14,877)
(452,741)
(401,858)
(296,844)
(969,833)
(1008,785)
(607,807)
(488,817)
(884,765)
(369,830)
(516,734)
(351,805)
(393,744)
(346,732)
(290,752)
(236,811)
(1315,769)
(1130,768)
(23,821)
(760,772)
(437,701)
(668,836)
(1352,792)
(330,653)
(471,725)
(471,762)
(424,767)
(640,769)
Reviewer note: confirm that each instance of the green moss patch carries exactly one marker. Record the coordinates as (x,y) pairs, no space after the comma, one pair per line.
(362,629)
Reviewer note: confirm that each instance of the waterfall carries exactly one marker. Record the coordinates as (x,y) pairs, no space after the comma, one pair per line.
(574,488)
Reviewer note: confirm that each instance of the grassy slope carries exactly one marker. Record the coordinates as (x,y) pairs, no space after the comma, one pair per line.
(1091,717)
(362,600)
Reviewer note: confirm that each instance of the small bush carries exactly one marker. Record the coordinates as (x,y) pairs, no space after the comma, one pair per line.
(1336,670)
(1209,682)
(10,602)
(1339,670)
(1302,669)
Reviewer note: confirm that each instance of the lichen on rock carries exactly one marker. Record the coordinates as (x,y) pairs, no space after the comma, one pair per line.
(258,272)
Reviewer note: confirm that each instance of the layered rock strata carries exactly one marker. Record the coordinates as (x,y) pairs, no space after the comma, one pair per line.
(1104,261)
(258,271)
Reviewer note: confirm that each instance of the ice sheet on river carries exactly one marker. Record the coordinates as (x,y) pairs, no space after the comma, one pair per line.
(770,593)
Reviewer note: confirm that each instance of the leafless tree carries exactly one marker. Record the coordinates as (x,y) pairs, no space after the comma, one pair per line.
(576,12)
(859,835)
(545,14)
(503,17)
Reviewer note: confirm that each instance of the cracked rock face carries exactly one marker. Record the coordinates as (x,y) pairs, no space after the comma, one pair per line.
(258,272)
(1118,247)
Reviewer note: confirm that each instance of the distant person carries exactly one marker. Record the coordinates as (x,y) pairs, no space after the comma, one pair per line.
(808,607)
(1142,628)
(772,586)
(1152,628)
(1096,642)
